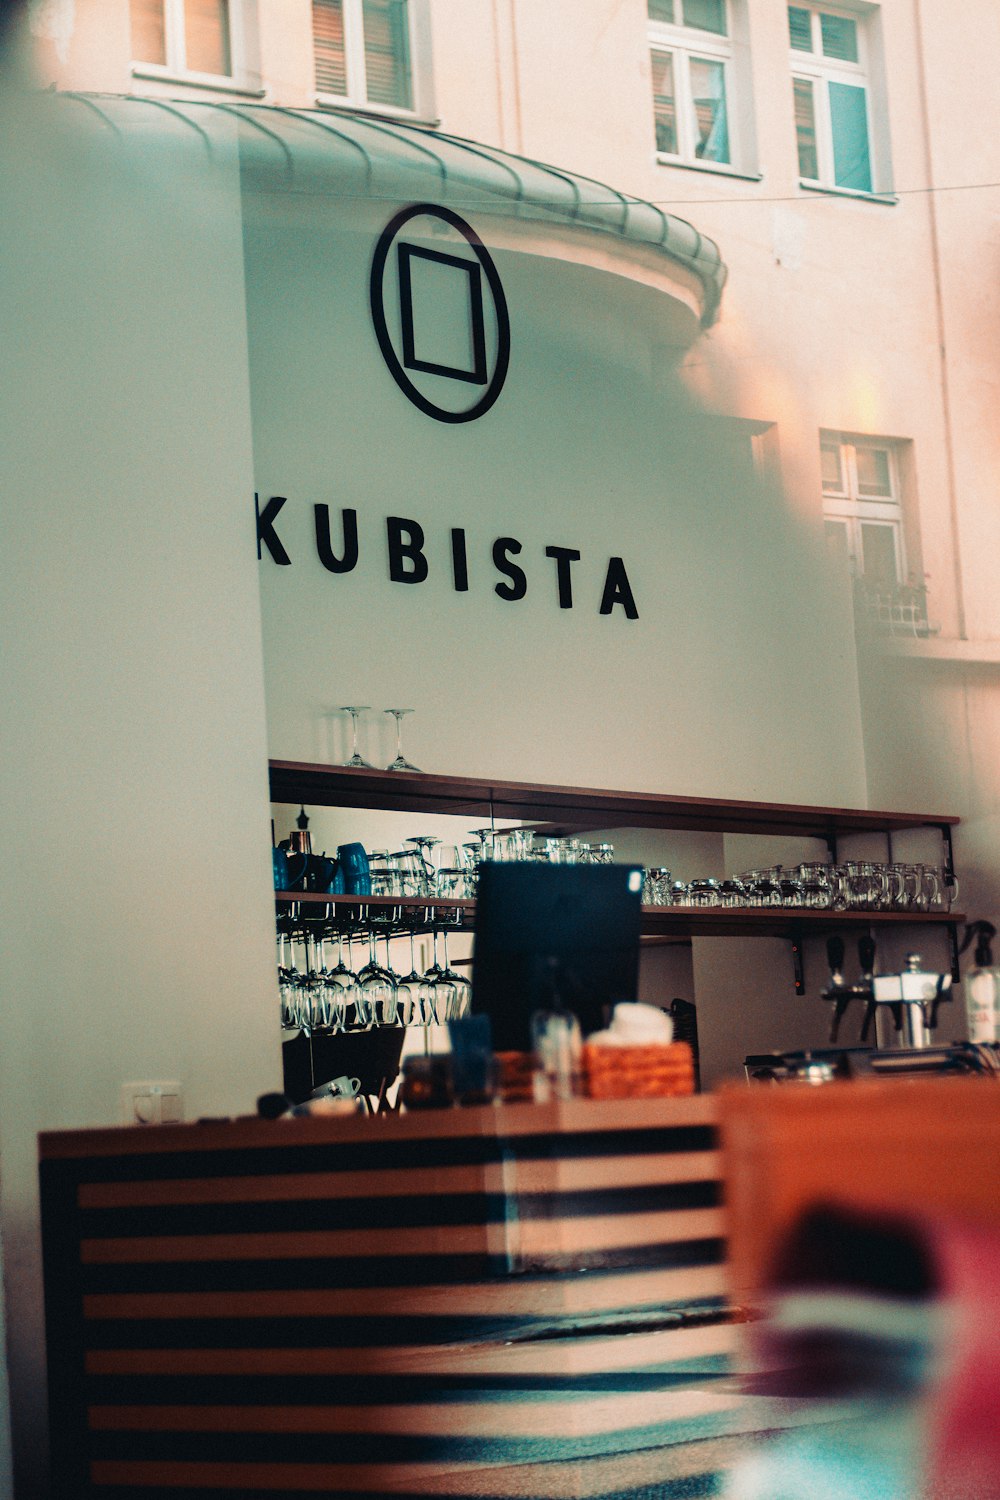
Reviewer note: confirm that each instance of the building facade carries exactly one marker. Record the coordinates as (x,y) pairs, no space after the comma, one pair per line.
(826,446)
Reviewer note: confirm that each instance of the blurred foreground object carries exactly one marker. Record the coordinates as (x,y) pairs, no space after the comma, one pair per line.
(865,1224)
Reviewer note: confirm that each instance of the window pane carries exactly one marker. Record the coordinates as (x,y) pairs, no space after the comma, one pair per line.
(837,547)
(849,124)
(805,128)
(149,38)
(878,550)
(664,103)
(328,46)
(206,36)
(387,53)
(800,28)
(874,473)
(840,37)
(661,10)
(708,102)
(833,481)
(706,15)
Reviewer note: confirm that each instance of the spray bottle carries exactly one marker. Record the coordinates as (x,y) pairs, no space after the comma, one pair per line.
(982,985)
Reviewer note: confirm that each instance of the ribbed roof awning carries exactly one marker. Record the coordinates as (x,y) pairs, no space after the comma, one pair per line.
(355,155)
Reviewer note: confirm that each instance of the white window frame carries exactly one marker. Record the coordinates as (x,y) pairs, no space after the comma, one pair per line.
(850,508)
(175,69)
(821,71)
(355,68)
(685,44)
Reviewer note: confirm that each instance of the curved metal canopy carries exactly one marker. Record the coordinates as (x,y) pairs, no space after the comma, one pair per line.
(356,155)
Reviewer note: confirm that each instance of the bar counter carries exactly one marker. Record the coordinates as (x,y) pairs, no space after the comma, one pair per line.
(518,1299)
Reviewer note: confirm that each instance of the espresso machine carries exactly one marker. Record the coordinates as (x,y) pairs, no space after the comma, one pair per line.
(899,1016)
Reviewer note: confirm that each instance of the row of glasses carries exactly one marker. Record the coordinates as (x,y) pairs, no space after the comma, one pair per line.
(317,997)
(855,885)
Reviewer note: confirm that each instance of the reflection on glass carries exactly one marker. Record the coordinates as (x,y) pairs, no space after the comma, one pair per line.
(149,37)
(878,546)
(708,102)
(800,28)
(874,477)
(849,124)
(805,128)
(206,37)
(387,53)
(706,15)
(664,103)
(840,37)
(833,479)
(329,52)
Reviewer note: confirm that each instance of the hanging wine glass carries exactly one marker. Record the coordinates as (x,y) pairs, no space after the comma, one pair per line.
(461,1000)
(357,759)
(441,989)
(400,763)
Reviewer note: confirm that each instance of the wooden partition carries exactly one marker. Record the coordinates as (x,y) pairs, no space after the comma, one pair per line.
(909,1146)
(519,1300)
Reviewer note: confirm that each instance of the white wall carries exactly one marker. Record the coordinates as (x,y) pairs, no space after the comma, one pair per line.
(726,683)
(737,680)
(136,888)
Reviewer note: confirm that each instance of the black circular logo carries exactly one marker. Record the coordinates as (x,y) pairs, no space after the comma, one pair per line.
(440,333)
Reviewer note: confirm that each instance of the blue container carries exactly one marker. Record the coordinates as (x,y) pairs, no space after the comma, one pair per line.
(353,863)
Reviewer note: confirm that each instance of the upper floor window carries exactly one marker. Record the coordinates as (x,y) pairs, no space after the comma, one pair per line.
(861,506)
(363,52)
(865,530)
(832,97)
(696,89)
(197,37)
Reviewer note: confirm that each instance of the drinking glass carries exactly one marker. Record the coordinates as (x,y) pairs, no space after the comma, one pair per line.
(656,887)
(376,997)
(601,854)
(424,845)
(356,758)
(703,893)
(680,893)
(761,887)
(412,994)
(789,887)
(461,1000)
(400,763)
(563,851)
(817,885)
(440,987)
(730,891)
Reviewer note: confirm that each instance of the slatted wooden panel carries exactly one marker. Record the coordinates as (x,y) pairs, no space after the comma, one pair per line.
(523,1300)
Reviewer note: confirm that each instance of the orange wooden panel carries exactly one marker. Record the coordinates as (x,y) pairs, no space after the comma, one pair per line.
(909,1145)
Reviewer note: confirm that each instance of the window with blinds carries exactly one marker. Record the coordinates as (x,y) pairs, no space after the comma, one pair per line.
(832,97)
(362,52)
(328,46)
(387,53)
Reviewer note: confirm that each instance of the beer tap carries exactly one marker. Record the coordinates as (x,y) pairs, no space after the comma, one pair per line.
(838,991)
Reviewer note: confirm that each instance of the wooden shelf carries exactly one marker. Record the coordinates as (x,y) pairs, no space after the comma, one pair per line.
(573,807)
(666,923)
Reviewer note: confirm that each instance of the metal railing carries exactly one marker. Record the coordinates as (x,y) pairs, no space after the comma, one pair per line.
(898,610)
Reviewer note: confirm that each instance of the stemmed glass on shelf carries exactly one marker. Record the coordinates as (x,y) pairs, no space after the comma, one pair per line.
(357,759)
(400,763)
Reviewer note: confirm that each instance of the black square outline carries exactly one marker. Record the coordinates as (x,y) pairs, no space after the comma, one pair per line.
(405,253)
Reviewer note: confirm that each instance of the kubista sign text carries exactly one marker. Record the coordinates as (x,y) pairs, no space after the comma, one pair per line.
(404,539)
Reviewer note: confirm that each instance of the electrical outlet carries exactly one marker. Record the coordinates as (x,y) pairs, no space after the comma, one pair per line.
(152,1103)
